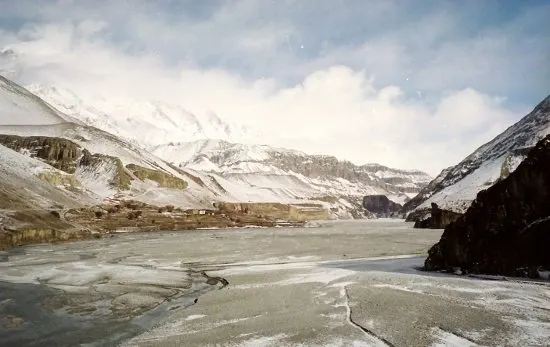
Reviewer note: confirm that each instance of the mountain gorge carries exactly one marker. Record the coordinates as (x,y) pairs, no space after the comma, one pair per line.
(456,187)
(73,154)
(243,172)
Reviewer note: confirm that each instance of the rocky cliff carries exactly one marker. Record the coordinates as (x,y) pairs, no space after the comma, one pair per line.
(506,229)
(437,219)
(57,152)
(381,206)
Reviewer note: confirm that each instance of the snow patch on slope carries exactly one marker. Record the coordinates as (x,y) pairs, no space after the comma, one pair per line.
(456,187)
(20,182)
(18,106)
(460,195)
(264,173)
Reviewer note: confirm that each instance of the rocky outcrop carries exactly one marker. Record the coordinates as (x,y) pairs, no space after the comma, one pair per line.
(99,164)
(163,179)
(505,231)
(418,214)
(36,226)
(60,153)
(438,218)
(381,206)
(321,166)
(56,178)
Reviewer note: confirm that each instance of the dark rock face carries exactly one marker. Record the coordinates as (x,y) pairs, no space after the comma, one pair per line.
(418,214)
(381,206)
(57,152)
(507,229)
(439,218)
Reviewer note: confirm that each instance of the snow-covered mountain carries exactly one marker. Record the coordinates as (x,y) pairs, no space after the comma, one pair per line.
(84,164)
(148,123)
(18,106)
(456,187)
(246,172)
(293,173)
(83,160)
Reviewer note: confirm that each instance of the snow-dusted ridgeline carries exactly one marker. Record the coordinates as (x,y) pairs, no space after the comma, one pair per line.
(300,174)
(456,187)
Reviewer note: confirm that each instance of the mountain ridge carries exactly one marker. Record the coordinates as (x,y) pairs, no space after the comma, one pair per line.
(456,187)
(233,160)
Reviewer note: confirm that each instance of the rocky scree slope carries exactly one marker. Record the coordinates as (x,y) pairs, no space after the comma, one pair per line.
(506,230)
(456,187)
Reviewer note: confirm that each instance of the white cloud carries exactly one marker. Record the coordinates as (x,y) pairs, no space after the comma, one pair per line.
(364,101)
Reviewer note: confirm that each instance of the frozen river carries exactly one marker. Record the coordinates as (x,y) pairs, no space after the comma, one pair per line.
(342,283)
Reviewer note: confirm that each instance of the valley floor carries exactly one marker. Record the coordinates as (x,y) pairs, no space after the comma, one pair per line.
(353,283)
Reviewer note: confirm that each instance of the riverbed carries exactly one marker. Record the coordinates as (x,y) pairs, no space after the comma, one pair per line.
(342,283)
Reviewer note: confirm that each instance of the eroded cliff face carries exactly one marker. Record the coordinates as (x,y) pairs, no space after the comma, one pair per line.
(505,231)
(60,153)
(381,206)
(438,218)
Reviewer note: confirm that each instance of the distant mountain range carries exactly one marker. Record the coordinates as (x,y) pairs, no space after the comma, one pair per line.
(167,138)
(103,149)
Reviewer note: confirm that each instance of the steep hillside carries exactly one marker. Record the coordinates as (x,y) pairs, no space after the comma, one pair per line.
(47,186)
(103,165)
(505,230)
(112,139)
(456,187)
(19,106)
(291,174)
(112,168)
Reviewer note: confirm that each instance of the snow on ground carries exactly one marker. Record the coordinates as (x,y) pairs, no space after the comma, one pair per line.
(251,166)
(447,339)
(97,180)
(234,153)
(18,171)
(18,106)
(459,196)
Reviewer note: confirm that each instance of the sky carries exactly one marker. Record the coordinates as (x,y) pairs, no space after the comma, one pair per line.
(408,84)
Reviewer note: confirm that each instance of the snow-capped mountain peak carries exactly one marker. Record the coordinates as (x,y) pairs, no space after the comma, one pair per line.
(156,122)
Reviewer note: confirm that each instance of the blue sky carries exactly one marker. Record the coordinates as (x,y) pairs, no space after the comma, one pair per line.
(416,62)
